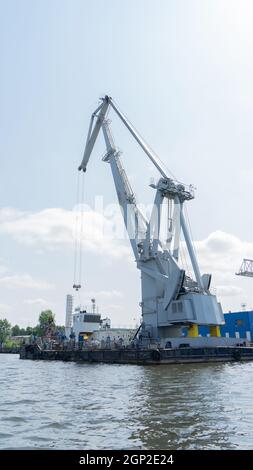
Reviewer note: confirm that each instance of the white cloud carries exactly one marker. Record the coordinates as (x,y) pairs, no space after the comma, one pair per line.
(222,253)
(24,281)
(37,302)
(221,242)
(246,175)
(3,269)
(228,291)
(105,294)
(55,228)
(4,308)
(9,213)
(47,226)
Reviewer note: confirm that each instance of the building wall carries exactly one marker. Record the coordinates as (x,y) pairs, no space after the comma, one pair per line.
(21,339)
(237,325)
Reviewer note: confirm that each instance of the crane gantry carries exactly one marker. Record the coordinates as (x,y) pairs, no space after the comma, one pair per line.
(170,299)
(246,268)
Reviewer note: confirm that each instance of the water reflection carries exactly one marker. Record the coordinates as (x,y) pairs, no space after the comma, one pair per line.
(195,406)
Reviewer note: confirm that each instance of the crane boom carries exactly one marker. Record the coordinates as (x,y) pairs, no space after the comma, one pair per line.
(134,220)
(93,132)
(92,135)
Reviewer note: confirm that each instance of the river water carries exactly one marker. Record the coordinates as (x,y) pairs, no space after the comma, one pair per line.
(61,405)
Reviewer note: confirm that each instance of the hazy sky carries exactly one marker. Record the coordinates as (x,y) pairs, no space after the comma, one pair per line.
(182,71)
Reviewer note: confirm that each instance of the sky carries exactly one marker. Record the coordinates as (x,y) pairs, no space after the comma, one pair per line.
(182,71)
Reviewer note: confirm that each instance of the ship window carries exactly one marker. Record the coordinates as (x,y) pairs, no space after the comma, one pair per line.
(180,307)
(177,307)
(91,318)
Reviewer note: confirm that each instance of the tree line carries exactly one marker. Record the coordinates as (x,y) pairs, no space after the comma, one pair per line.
(46,322)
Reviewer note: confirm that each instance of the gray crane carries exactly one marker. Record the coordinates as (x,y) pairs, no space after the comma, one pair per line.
(170,299)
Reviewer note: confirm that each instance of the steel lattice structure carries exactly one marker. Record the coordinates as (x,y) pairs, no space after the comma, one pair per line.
(246,268)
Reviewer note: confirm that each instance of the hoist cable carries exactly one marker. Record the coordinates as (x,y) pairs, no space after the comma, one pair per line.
(81,230)
(76,229)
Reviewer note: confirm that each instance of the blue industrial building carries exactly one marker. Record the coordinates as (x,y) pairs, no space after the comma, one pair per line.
(237,325)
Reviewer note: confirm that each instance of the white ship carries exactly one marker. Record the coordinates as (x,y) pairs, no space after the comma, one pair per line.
(88,325)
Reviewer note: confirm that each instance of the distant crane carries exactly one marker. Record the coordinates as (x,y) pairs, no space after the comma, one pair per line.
(246,268)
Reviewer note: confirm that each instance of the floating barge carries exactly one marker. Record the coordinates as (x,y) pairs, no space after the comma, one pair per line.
(141,356)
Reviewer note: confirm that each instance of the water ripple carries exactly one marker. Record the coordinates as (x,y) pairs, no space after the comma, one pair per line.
(81,406)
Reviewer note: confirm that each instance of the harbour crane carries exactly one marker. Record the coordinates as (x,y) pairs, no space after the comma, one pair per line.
(170,299)
(246,268)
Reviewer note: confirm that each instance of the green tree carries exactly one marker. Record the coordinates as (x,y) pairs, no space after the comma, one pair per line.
(33,330)
(46,321)
(5,330)
(29,330)
(17,331)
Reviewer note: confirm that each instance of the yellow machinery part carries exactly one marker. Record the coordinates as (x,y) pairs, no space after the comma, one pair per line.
(193,330)
(215,331)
